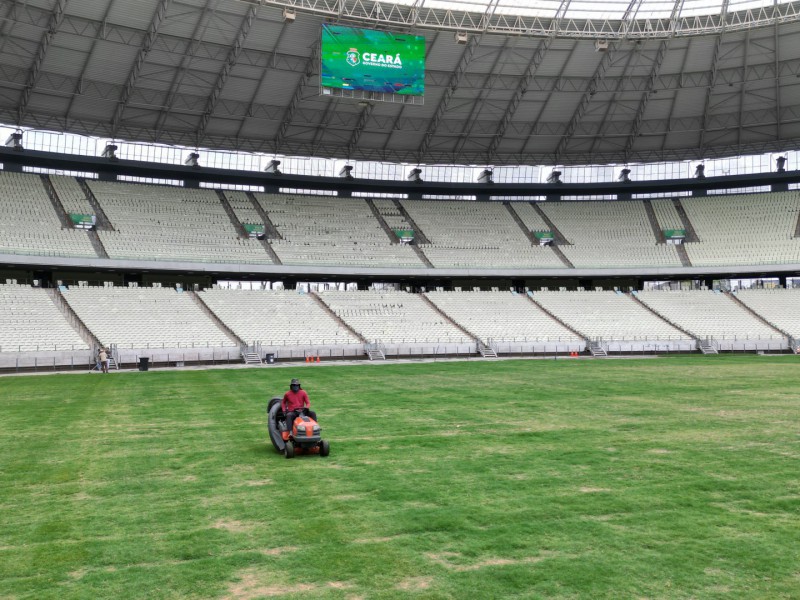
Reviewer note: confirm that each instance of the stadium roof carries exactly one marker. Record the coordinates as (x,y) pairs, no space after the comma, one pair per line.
(567,82)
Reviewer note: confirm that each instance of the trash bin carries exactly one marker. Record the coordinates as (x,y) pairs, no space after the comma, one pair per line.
(270,358)
(144,363)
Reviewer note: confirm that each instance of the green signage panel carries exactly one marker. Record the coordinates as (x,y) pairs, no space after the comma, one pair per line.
(371,60)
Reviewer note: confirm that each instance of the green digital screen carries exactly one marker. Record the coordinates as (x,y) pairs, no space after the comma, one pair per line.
(373,61)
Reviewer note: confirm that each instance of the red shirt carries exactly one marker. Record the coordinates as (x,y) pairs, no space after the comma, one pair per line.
(294,400)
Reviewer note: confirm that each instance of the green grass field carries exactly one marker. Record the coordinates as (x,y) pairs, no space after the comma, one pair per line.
(664,478)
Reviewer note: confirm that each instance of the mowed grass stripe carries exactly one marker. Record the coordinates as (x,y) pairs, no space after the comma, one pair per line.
(667,478)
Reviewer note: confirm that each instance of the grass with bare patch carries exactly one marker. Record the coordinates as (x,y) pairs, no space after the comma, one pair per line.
(669,478)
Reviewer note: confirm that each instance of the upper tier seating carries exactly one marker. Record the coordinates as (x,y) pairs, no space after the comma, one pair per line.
(29,224)
(707,314)
(319,230)
(145,317)
(392,317)
(501,317)
(30,321)
(180,224)
(243,208)
(528,214)
(71,195)
(666,214)
(607,315)
(391,214)
(276,318)
(609,234)
(749,229)
(779,307)
(171,223)
(484,235)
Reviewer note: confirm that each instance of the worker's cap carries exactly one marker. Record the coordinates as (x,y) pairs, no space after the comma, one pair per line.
(294,382)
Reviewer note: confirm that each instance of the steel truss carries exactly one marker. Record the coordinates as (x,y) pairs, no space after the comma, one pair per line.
(386,14)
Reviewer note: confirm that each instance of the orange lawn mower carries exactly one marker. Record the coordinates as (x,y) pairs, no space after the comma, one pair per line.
(301,437)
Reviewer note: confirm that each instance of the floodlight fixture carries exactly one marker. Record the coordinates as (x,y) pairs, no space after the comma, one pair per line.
(700,172)
(486,176)
(191,159)
(601,46)
(624,176)
(110,152)
(289,15)
(346,172)
(780,162)
(272,167)
(415,175)
(15,141)
(462,37)
(554,177)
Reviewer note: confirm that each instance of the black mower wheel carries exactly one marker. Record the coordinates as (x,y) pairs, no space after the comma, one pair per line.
(289,449)
(324,448)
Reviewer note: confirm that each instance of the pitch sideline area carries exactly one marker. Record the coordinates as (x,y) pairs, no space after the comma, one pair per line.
(667,478)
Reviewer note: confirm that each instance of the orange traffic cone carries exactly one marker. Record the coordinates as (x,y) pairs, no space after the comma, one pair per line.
(307,358)
(317,358)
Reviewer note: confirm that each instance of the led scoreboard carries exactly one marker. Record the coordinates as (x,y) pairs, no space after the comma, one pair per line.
(372,61)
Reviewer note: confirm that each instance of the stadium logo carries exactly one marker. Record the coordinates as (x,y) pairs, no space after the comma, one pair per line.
(353,57)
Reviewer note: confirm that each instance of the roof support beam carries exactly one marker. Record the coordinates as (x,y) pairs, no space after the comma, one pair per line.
(147,45)
(299,89)
(33,76)
(675,96)
(369,13)
(651,82)
(484,91)
(519,94)
(777,78)
(534,126)
(89,55)
(264,74)
(580,111)
(455,78)
(233,56)
(463,64)
(194,43)
(612,105)
(710,90)
(363,119)
(743,90)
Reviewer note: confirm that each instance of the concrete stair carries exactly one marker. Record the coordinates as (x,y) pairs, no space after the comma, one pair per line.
(596,349)
(707,347)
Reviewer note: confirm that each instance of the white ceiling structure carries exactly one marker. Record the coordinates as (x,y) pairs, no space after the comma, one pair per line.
(680,79)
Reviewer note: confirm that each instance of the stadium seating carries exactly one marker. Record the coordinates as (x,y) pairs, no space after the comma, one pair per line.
(779,307)
(71,195)
(666,214)
(320,230)
(609,234)
(501,316)
(145,318)
(30,225)
(749,229)
(391,214)
(713,315)
(243,208)
(276,318)
(31,322)
(391,317)
(614,319)
(466,234)
(171,223)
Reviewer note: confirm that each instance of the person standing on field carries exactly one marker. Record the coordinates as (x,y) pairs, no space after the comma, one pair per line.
(103,356)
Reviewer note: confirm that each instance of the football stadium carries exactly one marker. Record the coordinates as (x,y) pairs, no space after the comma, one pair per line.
(399,299)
